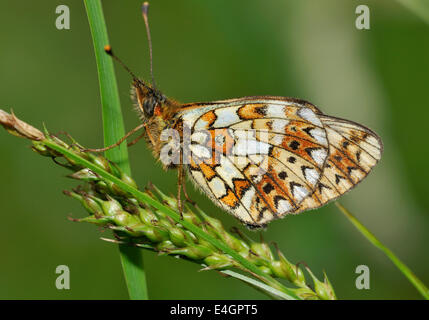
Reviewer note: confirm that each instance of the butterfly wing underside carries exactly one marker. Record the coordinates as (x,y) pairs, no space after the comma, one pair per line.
(261,158)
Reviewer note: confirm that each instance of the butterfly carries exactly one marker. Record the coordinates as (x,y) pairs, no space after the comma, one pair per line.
(259,158)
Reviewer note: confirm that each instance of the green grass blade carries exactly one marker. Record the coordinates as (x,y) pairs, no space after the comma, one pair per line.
(175,216)
(113,128)
(132,264)
(399,264)
(113,125)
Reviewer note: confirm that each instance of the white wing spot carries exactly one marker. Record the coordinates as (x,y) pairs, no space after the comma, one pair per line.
(201,124)
(299,192)
(283,206)
(319,135)
(275,111)
(319,156)
(228,171)
(310,116)
(247,197)
(218,187)
(277,139)
(279,125)
(225,117)
(311,175)
(372,140)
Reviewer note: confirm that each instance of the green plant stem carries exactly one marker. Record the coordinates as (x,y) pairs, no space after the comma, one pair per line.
(273,293)
(401,266)
(113,129)
(175,216)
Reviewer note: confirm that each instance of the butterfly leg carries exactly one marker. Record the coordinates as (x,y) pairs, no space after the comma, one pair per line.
(135,140)
(119,141)
(179,190)
(185,193)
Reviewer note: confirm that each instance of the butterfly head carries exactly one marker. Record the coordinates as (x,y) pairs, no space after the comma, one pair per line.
(149,101)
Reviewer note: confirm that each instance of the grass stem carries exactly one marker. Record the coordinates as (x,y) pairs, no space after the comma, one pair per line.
(399,264)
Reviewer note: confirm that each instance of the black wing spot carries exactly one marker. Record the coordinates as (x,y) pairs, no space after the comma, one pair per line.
(321,186)
(261,110)
(294,184)
(277,199)
(308,131)
(283,175)
(358,155)
(303,168)
(291,159)
(261,214)
(268,188)
(350,169)
(294,145)
(338,158)
(338,178)
(310,150)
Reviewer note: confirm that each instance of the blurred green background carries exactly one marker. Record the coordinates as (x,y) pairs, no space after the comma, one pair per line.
(210,50)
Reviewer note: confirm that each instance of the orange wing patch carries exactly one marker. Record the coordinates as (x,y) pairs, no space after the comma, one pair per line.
(207,171)
(230,199)
(209,117)
(252,111)
(241,186)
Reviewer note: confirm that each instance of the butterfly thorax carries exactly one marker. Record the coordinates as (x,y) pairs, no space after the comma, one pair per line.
(156,111)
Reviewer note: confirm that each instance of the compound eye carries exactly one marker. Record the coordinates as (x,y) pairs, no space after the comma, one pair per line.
(148,106)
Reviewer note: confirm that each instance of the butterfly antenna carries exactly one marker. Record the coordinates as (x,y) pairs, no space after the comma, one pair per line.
(108,50)
(145,9)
